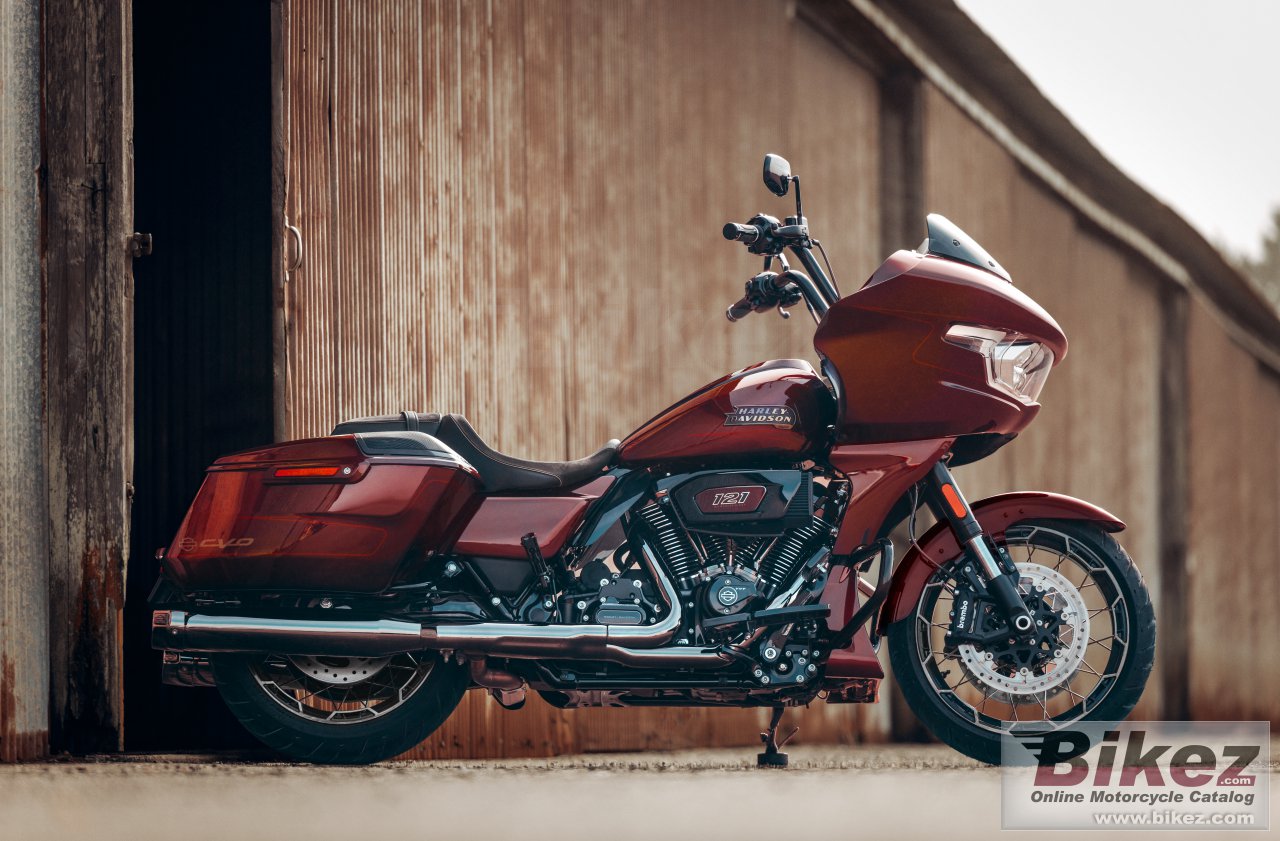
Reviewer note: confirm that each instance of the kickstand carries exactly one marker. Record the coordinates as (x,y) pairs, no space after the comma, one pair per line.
(772,757)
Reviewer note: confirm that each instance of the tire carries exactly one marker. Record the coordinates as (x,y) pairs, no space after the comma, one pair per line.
(354,742)
(1120,685)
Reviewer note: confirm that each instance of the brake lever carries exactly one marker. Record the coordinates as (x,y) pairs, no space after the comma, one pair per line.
(782,312)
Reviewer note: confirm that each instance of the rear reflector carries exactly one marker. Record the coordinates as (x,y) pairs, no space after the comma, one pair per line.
(306,472)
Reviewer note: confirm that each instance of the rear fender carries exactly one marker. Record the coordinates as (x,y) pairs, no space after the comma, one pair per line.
(996,515)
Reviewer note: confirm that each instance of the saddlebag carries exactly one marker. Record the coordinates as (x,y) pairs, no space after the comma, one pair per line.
(340,514)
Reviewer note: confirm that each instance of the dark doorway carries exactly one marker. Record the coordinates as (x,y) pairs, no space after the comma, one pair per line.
(202,309)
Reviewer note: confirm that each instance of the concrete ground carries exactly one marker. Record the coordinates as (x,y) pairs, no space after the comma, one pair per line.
(869,792)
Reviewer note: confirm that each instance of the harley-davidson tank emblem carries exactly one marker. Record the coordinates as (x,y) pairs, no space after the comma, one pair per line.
(783,416)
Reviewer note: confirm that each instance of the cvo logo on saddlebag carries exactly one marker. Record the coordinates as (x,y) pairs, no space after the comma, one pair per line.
(188,544)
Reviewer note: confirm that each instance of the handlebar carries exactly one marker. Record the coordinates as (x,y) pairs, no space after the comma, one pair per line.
(740,310)
(766,236)
(742,233)
(767,290)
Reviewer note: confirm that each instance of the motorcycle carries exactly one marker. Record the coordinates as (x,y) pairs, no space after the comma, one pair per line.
(343,593)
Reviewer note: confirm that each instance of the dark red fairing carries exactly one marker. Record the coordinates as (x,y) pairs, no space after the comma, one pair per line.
(897,379)
(775,409)
(249,529)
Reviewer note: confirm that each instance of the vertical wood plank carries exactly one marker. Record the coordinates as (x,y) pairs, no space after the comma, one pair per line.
(88,282)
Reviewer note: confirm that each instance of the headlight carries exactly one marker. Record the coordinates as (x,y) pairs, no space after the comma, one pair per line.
(1016,364)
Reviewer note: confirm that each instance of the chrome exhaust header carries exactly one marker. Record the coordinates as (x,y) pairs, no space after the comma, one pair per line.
(632,645)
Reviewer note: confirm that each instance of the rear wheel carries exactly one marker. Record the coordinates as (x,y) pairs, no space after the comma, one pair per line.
(1094,650)
(340,710)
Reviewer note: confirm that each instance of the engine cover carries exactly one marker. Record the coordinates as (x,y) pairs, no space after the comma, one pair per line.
(755,502)
(730,594)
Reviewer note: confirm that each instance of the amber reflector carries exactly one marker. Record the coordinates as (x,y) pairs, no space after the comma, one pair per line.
(953,499)
(303,472)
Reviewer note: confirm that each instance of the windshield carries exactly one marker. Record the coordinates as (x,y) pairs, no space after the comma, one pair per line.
(947,240)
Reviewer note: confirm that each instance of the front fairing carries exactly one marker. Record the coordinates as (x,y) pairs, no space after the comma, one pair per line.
(896,377)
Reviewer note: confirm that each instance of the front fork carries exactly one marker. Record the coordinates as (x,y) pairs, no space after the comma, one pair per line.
(948,504)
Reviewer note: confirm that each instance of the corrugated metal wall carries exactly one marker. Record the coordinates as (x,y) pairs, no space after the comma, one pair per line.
(512,210)
(1233,577)
(24,571)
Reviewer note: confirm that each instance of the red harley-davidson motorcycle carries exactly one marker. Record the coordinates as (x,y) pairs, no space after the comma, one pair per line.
(342,593)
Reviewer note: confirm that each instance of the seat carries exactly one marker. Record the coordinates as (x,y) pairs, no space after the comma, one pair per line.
(498,472)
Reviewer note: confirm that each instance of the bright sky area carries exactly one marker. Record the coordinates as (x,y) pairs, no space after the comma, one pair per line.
(1183,95)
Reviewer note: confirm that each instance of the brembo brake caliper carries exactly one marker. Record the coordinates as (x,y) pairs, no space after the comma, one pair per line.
(998,574)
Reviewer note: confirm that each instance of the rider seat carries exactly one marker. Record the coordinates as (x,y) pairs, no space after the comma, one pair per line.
(498,472)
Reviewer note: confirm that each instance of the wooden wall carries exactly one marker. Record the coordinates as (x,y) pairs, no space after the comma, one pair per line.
(513,211)
(87,217)
(1233,578)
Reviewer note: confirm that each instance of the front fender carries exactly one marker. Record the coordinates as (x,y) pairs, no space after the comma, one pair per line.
(995,515)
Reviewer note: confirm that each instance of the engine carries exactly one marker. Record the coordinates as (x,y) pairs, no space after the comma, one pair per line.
(737,542)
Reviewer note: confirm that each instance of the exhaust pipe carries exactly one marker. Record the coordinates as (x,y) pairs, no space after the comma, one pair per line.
(631,645)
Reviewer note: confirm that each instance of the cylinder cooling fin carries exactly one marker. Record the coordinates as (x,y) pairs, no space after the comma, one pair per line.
(672,540)
(782,559)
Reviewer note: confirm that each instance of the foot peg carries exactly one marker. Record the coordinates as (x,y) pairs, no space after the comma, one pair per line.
(772,756)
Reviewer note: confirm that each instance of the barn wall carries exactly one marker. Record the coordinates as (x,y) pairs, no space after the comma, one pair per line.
(24,608)
(1233,583)
(1097,436)
(512,210)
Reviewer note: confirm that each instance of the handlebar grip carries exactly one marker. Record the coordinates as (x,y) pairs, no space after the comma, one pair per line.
(742,233)
(740,310)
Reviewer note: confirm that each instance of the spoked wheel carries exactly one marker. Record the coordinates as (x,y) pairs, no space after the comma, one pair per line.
(1087,659)
(340,710)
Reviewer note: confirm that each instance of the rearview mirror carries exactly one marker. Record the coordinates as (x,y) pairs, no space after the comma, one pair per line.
(777,174)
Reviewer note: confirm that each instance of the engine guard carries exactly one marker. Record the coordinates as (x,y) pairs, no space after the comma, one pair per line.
(995,514)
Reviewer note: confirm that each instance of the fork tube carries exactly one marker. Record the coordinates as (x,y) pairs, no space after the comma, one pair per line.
(949,505)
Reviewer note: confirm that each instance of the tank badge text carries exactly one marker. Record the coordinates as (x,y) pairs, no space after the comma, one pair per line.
(782,416)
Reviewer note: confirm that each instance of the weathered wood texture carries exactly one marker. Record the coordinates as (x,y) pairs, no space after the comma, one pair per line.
(88,206)
(24,604)
(512,210)
(1233,581)
(1098,434)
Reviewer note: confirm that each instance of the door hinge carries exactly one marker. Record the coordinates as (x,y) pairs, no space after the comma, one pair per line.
(139,244)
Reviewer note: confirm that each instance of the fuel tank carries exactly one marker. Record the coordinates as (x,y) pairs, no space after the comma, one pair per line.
(778,410)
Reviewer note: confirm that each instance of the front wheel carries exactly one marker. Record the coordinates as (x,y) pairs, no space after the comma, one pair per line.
(1095,645)
(340,710)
